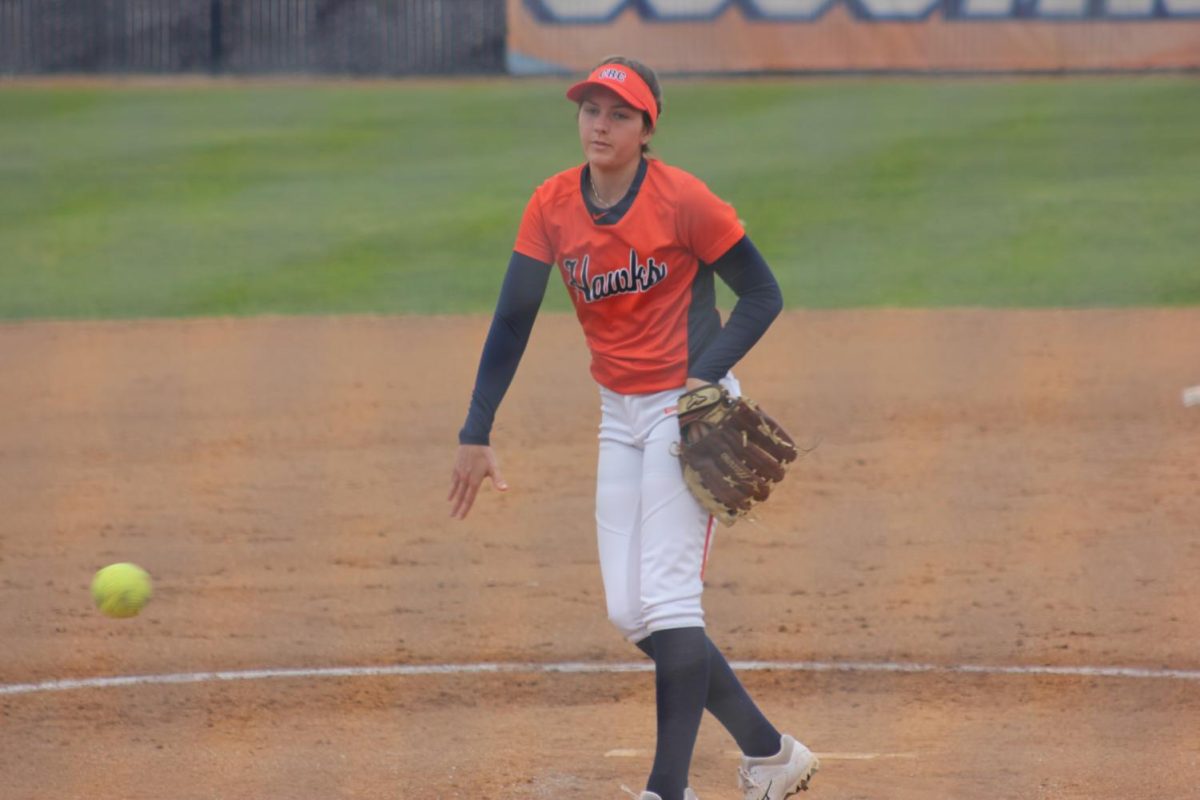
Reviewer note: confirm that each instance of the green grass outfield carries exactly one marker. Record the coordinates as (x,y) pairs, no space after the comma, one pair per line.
(198,198)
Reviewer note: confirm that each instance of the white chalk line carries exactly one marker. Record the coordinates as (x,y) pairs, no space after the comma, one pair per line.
(582,667)
(638,753)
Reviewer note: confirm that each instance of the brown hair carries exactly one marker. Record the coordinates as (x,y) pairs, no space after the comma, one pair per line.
(646,74)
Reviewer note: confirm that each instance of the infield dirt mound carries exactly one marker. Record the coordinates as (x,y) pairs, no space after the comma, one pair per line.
(993,487)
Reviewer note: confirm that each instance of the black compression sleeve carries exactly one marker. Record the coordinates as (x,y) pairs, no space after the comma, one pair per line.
(520,298)
(759,302)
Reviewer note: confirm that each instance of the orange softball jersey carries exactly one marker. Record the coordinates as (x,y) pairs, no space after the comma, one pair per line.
(631,281)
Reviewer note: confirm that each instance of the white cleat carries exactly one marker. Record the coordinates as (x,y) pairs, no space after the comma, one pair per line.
(688,794)
(782,775)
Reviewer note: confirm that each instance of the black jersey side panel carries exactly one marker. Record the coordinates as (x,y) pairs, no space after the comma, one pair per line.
(704,323)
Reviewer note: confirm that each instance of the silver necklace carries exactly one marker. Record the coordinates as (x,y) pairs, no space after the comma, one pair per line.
(603,203)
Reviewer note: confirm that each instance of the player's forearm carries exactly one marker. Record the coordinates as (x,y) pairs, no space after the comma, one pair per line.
(520,298)
(759,303)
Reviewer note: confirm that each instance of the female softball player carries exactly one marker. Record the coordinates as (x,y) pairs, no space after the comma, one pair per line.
(637,243)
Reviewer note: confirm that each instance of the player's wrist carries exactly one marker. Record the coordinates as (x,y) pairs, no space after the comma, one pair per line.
(474,438)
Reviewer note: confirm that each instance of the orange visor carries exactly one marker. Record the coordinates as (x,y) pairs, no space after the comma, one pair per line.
(625,82)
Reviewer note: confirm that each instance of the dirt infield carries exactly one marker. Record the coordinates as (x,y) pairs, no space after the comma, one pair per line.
(989,488)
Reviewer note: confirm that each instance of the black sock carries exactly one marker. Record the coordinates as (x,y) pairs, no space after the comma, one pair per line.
(681,685)
(733,707)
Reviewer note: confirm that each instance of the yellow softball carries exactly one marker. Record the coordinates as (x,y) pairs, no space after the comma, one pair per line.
(120,590)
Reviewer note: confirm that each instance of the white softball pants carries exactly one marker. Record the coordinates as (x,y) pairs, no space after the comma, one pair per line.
(654,538)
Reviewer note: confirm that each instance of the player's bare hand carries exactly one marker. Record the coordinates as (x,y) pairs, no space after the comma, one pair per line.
(473,463)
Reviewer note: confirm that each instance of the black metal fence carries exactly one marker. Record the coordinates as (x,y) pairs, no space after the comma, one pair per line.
(378,37)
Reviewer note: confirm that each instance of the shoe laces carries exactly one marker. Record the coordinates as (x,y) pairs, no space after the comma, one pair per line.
(746,780)
(630,792)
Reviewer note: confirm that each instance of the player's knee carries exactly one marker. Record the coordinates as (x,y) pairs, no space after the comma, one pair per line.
(678,613)
(629,622)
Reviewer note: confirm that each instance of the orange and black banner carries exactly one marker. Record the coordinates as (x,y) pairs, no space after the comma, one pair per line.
(856,35)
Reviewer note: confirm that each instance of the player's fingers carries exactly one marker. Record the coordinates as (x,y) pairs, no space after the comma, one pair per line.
(498,480)
(455,484)
(468,488)
(465,503)
(460,490)
(456,509)
(463,478)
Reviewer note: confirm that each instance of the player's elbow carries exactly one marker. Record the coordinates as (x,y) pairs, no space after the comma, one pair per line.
(772,301)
